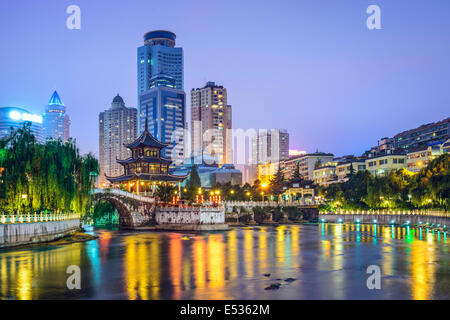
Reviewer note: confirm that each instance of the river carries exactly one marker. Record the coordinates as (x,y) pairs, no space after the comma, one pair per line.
(326,261)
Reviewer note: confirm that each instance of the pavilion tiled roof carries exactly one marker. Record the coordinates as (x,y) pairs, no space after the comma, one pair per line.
(148,177)
(145,159)
(146,140)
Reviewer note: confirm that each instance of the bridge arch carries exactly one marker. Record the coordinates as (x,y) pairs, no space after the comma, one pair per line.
(125,217)
(133,210)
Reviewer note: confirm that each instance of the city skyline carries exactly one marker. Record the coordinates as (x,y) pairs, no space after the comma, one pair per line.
(363,71)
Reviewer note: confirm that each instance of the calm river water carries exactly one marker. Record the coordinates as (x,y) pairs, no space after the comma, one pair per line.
(327,261)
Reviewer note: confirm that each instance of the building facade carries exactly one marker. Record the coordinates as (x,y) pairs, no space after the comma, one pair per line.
(117,127)
(383,163)
(56,122)
(267,170)
(270,145)
(445,147)
(420,157)
(211,123)
(13,118)
(159,55)
(209,171)
(164,107)
(325,175)
(425,134)
(305,164)
(343,169)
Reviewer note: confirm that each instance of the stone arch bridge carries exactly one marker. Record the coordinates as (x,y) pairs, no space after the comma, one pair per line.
(134,210)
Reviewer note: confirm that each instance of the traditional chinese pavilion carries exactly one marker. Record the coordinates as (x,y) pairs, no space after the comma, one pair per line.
(146,168)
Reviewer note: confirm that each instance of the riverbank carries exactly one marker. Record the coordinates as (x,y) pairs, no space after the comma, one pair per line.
(75,237)
(17,234)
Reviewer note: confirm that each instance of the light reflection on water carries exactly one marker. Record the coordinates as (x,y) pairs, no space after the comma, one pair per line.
(328,261)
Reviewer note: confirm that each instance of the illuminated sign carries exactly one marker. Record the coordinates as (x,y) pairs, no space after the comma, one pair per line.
(16,115)
(294,152)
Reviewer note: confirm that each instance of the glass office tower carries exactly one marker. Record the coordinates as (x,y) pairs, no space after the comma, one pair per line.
(164,107)
(56,122)
(159,55)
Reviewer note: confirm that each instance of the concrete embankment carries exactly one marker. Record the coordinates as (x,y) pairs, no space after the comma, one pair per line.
(386,218)
(16,234)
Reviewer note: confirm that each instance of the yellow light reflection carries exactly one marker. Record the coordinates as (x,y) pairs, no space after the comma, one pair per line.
(422,270)
(176,253)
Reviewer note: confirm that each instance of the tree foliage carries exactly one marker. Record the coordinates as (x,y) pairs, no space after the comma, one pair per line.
(165,193)
(399,189)
(51,176)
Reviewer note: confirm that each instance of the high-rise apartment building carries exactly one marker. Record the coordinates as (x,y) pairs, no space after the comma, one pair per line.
(56,122)
(159,55)
(270,145)
(117,128)
(164,107)
(211,123)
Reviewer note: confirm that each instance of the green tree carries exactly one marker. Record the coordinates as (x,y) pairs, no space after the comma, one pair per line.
(194,178)
(297,176)
(165,193)
(38,177)
(277,183)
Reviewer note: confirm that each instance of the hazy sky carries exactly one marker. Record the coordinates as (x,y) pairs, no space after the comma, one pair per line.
(311,67)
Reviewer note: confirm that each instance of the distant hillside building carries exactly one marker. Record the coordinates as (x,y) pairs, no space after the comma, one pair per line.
(412,139)
(425,134)
(117,128)
(56,122)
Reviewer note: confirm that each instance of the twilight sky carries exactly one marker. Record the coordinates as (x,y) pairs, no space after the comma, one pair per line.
(309,66)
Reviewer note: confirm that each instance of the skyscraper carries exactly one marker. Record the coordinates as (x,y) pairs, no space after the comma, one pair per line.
(211,123)
(164,107)
(117,127)
(270,146)
(56,123)
(159,55)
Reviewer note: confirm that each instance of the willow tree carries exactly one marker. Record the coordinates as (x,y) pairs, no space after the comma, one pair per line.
(51,176)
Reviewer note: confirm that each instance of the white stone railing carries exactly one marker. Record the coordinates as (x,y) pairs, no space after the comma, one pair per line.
(431,213)
(203,209)
(267,203)
(124,194)
(42,217)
